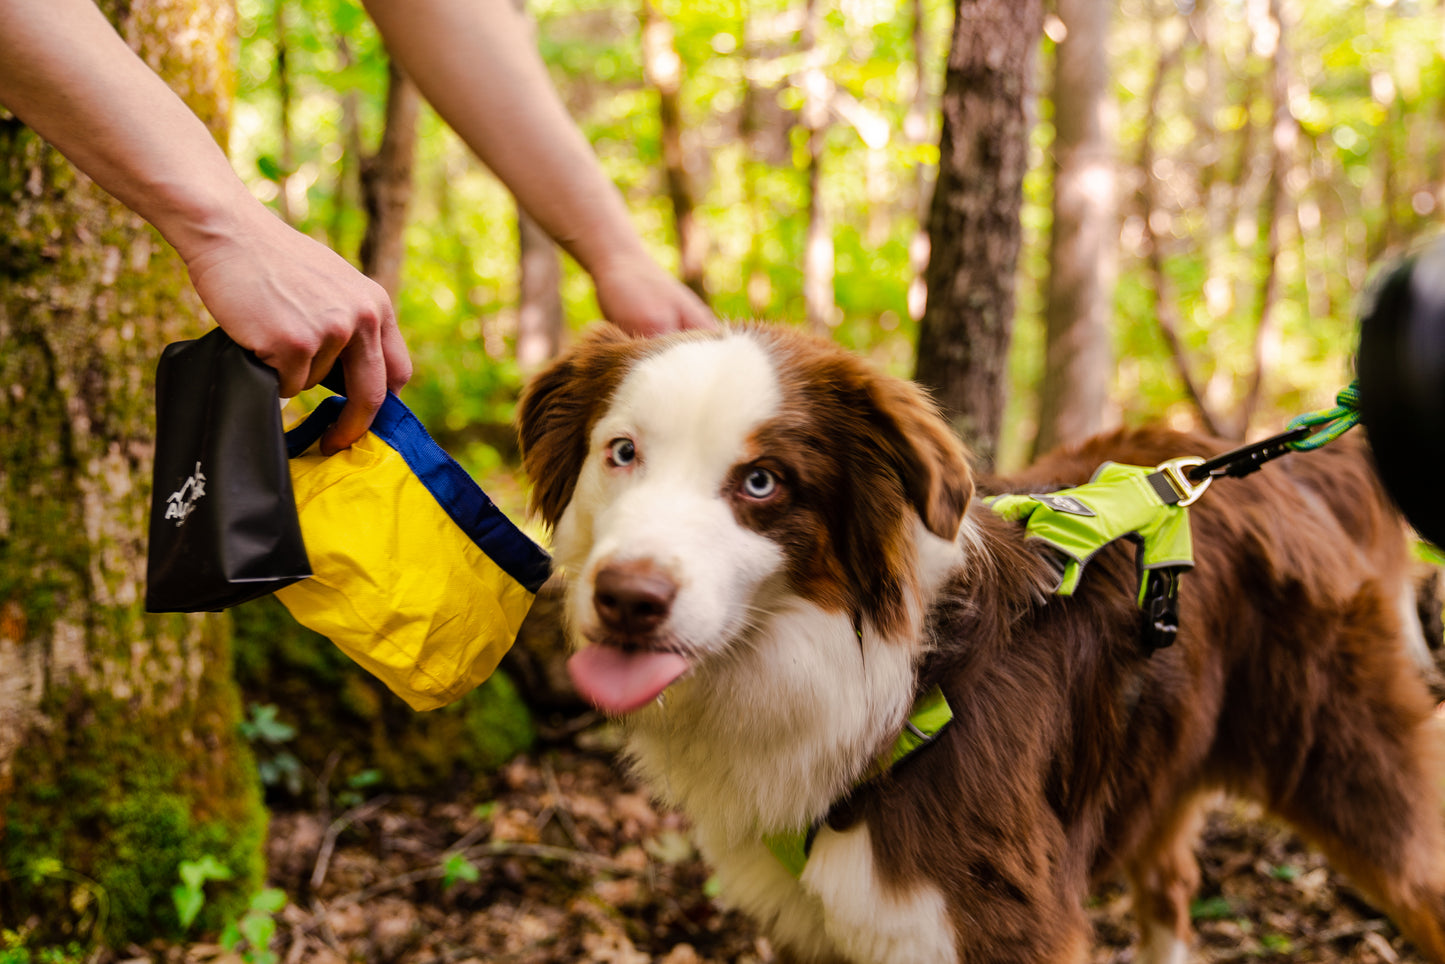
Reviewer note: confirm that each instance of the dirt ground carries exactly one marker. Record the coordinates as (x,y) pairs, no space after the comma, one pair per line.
(562,859)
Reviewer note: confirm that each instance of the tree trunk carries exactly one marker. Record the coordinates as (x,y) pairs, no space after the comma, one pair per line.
(974,225)
(818,264)
(1082,243)
(539,302)
(916,130)
(663,69)
(386,184)
(118,749)
(1277,205)
(284,95)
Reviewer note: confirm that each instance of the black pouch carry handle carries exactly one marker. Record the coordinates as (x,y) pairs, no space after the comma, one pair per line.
(223,526)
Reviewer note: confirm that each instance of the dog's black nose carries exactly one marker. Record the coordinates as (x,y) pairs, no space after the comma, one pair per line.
(632,598)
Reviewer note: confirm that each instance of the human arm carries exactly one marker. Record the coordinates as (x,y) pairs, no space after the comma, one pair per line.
(476,62)
(299,306)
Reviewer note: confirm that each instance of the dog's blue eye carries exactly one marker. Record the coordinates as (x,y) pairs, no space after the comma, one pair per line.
(760,484)
(621,452)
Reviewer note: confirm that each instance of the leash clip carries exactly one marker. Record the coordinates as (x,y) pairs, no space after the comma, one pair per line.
(1177,474)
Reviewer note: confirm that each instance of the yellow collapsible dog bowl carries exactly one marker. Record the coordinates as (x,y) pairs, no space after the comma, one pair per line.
(418,576)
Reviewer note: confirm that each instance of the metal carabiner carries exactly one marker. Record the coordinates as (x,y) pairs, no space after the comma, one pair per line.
(1177,472)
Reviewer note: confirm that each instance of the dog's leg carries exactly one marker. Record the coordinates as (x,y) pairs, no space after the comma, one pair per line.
(1369,791)
(1164,875)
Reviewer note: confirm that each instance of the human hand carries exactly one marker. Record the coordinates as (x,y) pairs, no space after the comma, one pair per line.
(638,296)
(302,308)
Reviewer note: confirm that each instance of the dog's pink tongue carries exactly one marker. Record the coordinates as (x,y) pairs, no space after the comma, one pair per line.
(618,682)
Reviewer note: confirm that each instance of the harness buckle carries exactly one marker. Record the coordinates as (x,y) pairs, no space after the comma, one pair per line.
(1159,609)
(1176,472)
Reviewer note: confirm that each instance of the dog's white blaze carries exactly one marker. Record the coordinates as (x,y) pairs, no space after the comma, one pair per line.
(689,411)
(868,920)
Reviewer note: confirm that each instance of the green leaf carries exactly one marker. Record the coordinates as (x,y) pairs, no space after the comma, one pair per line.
(268,901)
(1211,908)
(258,929)
(364,779)
(188,901)
(195,873)
(457,867)
(269,167)
(265,727)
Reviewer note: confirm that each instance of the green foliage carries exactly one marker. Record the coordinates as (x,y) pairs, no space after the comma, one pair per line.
(457,868)
(251,934)
(190,894)
(1366,84)
(133,814)
(277,766)
(15,949)
(330,706)
(1217,907)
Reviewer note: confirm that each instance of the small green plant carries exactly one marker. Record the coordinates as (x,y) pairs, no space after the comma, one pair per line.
(1211,908)
(189,895)
(352,796)
(251,935)
(456,867)
(14,949)
(278,767)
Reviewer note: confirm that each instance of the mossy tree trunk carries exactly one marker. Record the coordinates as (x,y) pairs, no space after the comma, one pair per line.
(119,756)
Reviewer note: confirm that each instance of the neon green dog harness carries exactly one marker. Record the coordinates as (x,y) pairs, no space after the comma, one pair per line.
(1120,501)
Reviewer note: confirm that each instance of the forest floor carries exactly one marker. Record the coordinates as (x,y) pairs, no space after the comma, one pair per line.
(561,859)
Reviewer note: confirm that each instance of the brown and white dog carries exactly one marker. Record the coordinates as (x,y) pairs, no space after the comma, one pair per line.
(773,549)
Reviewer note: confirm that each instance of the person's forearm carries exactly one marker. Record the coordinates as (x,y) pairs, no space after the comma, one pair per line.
(67,74)
(476,62)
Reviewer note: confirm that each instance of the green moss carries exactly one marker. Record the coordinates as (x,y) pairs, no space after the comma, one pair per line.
(340,709)
(497,723)
(104,811)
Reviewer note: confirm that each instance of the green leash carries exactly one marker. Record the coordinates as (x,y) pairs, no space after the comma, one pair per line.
(1336,421)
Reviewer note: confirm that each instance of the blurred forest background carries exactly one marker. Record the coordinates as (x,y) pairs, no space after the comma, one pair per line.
(1262,157)
(1059,216)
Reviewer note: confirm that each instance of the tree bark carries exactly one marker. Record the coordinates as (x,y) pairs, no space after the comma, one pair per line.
(974,225)
(284,95)
(1277,205)
(1083,242)
(819,302)
(386,184)
(539,302)
(662,67)
(119,756)
(915,130)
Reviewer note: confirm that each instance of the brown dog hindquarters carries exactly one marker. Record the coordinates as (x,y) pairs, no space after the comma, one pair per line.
(772,552)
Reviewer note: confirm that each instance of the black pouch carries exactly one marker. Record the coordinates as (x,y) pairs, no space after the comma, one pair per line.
(223,525)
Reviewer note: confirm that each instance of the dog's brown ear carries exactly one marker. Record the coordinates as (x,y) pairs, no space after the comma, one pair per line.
(557,410)
(929,458)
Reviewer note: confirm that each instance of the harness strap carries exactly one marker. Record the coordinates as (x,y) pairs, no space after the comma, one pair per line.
(929,717)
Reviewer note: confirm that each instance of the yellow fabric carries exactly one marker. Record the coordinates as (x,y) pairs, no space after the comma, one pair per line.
(397,585)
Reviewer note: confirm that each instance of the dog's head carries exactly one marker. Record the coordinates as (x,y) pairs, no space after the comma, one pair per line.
(697,483)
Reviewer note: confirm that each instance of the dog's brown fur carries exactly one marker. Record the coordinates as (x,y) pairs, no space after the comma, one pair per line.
(1075,755)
